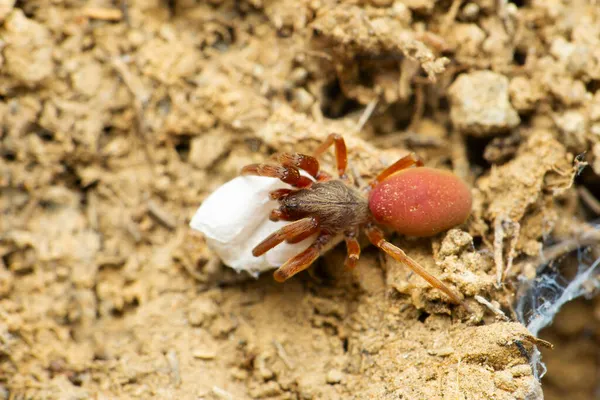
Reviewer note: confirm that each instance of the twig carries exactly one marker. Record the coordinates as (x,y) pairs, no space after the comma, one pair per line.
(316,112)
(222,393)
(161,215)
(451,15)
(513,248)
(589,199)
(283,355)
(103,13)
(132,82)
(538,341)
(319,54)
(174,364)
(458,155)
(27,211)
(366,115)
(504,14)
(578,165)
(492,307)
(140,98)
(458,374)
(125,11)
(419,108)
(501,223)
(498,249)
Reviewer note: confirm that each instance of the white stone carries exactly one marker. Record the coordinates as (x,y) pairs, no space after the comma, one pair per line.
(480,104)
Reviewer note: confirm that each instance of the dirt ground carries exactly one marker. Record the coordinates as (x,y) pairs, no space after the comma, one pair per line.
(119,117)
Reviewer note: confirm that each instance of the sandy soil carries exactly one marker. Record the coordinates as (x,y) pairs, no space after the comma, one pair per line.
(120,117)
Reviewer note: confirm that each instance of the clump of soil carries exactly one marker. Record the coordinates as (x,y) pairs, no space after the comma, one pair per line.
(118,120)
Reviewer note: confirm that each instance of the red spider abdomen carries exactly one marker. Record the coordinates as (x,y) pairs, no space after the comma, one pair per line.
(421,201)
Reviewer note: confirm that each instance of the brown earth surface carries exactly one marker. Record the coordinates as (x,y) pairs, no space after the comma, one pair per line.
(120,117)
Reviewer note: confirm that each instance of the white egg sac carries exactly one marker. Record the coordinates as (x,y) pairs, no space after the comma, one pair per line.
(235,218)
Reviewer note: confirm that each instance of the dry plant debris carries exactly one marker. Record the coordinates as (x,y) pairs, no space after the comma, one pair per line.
(119,118)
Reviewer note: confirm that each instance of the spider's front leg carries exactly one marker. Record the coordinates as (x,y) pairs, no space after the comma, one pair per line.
(310,164)
(298,160)
(289,174)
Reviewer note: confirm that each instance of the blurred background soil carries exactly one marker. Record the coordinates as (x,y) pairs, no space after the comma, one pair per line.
(119,117)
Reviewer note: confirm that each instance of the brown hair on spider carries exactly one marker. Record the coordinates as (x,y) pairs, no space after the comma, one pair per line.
(406,196)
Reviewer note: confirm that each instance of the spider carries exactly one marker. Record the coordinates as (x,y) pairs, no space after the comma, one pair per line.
(406,196)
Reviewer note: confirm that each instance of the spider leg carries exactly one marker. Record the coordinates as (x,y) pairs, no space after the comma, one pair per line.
(298,160)
(352,247)
(279,193)
(341,153)
(288,232)
(403,163)
(302,260)
(376,237)
(289,175)
(323,176)
(307,233)
(278,215)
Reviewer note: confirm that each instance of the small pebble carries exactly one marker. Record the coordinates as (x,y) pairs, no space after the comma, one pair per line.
(441,352)
(470,11)
(521,370)
(480,104)
(201,312)
(204,354)
(239,374)
(504,380)
(334,376)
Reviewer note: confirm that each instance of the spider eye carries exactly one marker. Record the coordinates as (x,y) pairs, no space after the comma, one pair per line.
(290,204)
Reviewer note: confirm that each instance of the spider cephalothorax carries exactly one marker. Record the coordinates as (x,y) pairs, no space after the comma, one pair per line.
(422,203)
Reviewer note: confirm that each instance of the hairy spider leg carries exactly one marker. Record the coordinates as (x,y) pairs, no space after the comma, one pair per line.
(352,247)
(298,160)
(403,163)
(323,177)
(288,232)
(279,215)
(306,234)
(280,193)
(289,175)
(302,260)
(341,153)
(376,237)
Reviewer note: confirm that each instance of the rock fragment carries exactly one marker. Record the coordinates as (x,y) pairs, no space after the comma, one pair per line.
(480,104)
(28,53)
